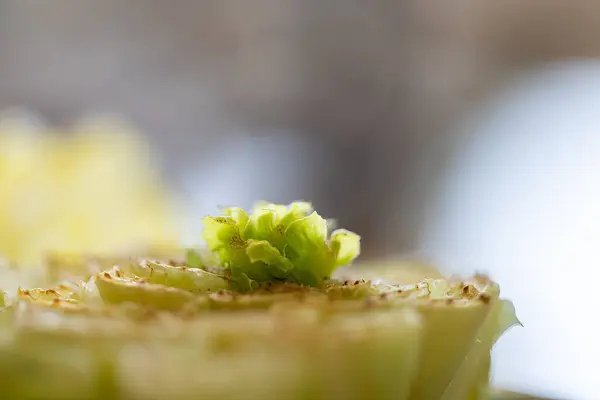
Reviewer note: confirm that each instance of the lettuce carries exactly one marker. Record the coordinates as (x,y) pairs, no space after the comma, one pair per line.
(352,340)
(155,329)
(278,243)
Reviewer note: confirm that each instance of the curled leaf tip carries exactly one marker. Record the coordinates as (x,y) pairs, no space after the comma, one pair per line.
(279,243)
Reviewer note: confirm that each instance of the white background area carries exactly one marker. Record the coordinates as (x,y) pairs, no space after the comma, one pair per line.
(522,202)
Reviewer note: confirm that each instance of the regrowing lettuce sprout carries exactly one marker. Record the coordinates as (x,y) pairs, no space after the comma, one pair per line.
(278,243)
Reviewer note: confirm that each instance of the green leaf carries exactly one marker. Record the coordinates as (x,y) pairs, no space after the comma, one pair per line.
(279,243)
(193,259)
(219,232)
(238,215)
(345,246)
(296,211)
(260,225)
(263,251)
(241,281)
(308,233)
(307,247)
(222,236)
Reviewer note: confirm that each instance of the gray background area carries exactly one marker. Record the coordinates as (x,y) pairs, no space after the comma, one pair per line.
(366,94)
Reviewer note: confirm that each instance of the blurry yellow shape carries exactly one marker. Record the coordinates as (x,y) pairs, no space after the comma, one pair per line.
(91,189)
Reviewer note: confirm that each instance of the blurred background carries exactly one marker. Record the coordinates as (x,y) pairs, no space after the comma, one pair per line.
(466,132)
